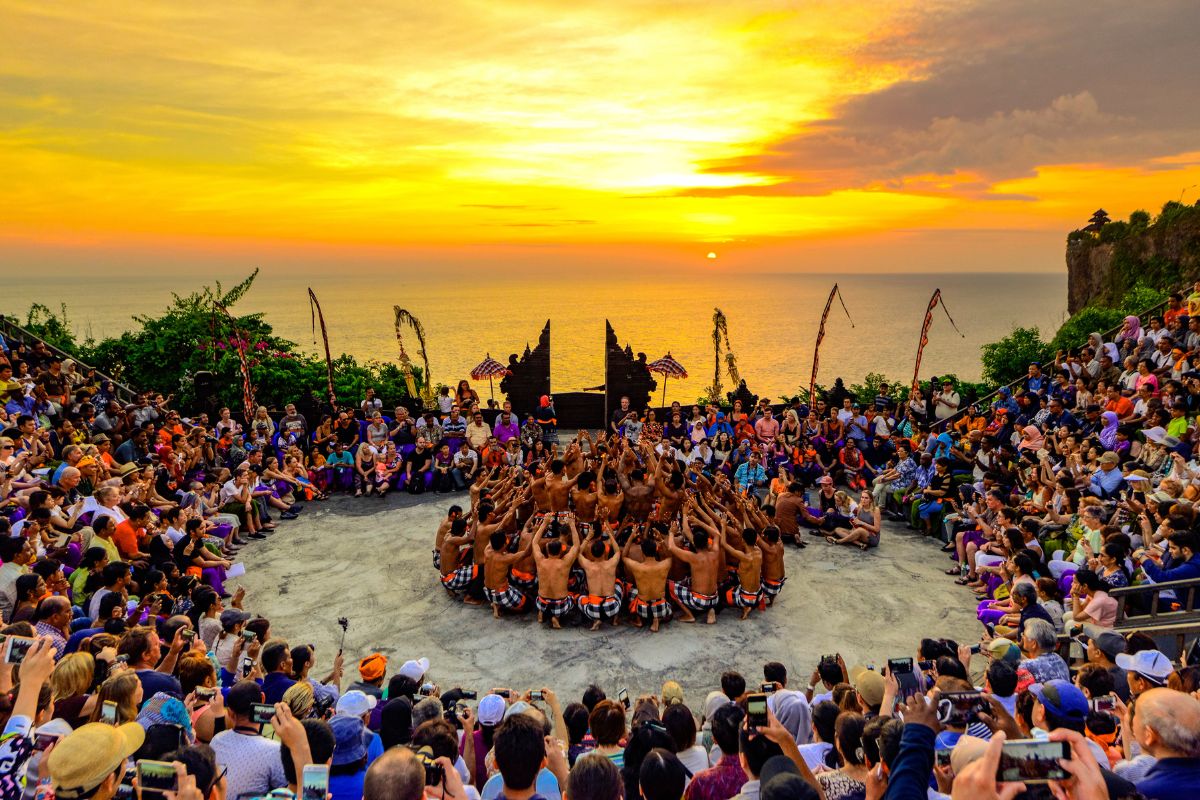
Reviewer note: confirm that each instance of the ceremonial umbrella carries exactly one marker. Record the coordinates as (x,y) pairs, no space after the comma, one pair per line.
(489,368)
(668,368)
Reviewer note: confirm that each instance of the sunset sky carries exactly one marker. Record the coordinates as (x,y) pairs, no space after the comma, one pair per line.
(779,135)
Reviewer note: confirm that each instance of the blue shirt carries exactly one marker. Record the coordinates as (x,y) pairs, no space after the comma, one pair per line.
(748,475)
(1171,779)
(1105,484)
(546,787)
(347,787)
(274,685)
(154,682)
(1185,571)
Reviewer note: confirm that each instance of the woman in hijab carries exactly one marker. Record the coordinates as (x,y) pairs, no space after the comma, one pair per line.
(1096,341)
(1131,330)
(1108,434)
(1031,439)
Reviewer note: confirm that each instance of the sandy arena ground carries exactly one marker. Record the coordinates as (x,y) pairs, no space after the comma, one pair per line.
(370,560)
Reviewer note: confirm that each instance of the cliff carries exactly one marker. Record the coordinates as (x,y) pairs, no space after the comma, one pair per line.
(1104,262)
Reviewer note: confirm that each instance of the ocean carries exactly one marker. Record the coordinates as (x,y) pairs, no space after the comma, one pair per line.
(772,319)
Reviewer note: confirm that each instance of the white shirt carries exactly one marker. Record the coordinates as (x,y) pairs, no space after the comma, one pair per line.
(941,410)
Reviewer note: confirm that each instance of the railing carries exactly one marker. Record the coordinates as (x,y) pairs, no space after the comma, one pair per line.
(12,330)
(1181,609)
(1105,335)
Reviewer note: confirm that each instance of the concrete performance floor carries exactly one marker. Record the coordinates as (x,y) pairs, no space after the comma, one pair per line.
(370,560)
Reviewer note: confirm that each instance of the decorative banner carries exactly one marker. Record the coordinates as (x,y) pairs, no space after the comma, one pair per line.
(933,301)
(403,317)
(239,339)
(812,384)
(315,308)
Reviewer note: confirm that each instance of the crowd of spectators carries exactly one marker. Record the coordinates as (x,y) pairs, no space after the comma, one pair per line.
(121,522)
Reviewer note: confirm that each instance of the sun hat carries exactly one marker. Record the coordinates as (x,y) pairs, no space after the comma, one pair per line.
(349,743)
(1155,434)
(80,762)
(356,703)
(1150,664)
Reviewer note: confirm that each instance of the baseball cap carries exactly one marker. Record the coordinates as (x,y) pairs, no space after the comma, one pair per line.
(233,616)
(491,709)
(1108,642)
(415,669)
(1002,649)
(355,703)
(372,667)
(349,743)
(825,480)
(1110,458)
(1150,664)
(868,683)
(1061,698)
(82,760)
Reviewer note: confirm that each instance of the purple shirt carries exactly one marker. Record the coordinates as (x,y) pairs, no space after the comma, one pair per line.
(505,432)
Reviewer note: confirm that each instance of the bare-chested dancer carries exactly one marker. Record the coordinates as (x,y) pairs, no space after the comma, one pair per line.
(747,594)
(648,601)
(698,592)
(553,571)
(603,601)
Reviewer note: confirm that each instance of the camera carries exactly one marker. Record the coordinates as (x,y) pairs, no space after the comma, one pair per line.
(536,695)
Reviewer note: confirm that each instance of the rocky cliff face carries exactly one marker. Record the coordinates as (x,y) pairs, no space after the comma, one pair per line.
(1102,267)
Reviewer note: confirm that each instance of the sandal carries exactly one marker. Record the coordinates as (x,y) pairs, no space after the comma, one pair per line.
(962,581)
(949,548)
(953,571)
(862,546)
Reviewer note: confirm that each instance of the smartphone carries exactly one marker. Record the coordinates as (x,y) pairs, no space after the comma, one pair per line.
(976,649)
(108,712)
(426,689)
(1105,703)
(927,666)
(756,710)
(505,693)
(314,782)
(536,695)
(248,636)
(42,741)
(1032,761)
(959,709)
(623,696)
(156,778)
(941,756)
(16,648)
(247,665)
(900,666)
(261,713)
(767,688)
(204,693)
(829,659)
(469,694)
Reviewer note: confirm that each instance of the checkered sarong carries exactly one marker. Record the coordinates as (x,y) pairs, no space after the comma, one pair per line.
(555,608)
(508,598)
(650,610)
(525,581)
(773,588)
(737,597)
(437,560)
(460,578)
(600,607)
(681,592)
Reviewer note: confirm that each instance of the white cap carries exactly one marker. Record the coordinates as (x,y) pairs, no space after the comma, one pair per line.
(1147,663)
(355,703)
(415,670)
(491,709)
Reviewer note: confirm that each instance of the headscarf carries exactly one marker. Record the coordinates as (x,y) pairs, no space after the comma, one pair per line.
(1108,434)
(944,443)
(1031,438)
(1097,341)
(712,702)
(794,715)
(1132,329)
(544,401)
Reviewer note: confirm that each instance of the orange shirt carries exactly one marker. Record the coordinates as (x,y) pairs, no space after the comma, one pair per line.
(126,538)
(1122,407)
